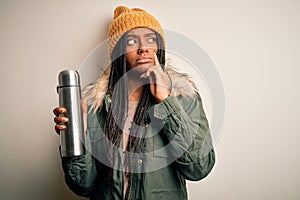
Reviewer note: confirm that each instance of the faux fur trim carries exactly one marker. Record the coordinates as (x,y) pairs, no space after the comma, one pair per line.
(95,92)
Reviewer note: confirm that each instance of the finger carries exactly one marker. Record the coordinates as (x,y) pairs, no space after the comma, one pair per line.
(147,73)
(60,127)
(59,120)
(156,62)
(152,85)
(157,73)
(152,70)
(143,75)
(59,110)
(159,77)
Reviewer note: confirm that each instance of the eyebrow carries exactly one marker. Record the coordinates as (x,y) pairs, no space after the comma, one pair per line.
(135,36)
(150,34)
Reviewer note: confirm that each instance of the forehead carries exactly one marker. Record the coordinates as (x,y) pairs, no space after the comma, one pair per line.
(140,31)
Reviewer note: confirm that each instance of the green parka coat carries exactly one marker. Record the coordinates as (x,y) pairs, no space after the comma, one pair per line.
(178,148)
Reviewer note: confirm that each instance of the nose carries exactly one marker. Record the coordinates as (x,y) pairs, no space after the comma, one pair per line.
(142,47)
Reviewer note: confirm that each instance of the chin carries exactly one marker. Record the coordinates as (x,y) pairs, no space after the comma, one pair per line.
(141,68)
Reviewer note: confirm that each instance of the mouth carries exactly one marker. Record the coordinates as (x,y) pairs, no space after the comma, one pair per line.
(143,60)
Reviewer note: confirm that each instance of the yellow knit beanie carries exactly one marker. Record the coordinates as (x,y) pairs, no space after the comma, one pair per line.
(126,19)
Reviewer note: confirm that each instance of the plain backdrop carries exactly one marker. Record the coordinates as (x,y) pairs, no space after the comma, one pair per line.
(253,44)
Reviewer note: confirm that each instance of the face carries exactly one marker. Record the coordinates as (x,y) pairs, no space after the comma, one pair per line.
(141,45)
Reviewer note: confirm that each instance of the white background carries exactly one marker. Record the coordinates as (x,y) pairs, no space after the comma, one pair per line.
(253,44)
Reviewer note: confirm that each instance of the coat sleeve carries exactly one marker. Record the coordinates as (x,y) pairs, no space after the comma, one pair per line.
(80,172)
(186,130)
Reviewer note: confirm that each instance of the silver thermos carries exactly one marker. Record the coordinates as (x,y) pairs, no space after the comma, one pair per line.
(69,92)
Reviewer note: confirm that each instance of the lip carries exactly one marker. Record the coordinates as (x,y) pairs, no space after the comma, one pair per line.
(143,60)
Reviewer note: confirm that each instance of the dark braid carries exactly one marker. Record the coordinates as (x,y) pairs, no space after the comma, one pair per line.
(117,113)
(113,127)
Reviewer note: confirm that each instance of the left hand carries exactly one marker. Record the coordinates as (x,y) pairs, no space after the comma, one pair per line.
(159,81)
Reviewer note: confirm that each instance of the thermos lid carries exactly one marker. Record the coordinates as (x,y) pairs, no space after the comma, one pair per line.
(68,78)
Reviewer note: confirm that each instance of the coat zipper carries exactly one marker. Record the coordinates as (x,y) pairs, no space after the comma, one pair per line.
(130,178)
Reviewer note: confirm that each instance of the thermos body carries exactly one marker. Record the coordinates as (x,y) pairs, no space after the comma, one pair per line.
(69,92)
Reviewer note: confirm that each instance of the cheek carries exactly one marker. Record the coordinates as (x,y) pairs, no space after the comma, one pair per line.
(154,49)
(129,54)
(130,59)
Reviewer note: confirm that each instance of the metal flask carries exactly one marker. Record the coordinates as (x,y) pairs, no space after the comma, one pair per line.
(69,93)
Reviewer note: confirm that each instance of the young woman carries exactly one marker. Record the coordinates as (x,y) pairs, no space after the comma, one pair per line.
(146,131)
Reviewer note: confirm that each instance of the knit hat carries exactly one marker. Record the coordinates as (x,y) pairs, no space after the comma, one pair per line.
(126,19)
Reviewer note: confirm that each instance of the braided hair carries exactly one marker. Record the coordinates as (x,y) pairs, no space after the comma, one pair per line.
(116,117)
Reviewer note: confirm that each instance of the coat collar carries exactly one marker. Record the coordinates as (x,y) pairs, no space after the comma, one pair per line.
(95,93)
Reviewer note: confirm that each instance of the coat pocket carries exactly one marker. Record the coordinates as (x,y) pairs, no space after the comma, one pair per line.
(159,147)
(169,194)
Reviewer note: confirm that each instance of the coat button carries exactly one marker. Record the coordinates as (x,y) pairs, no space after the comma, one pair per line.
(109,99)
(140,161)
(146,125)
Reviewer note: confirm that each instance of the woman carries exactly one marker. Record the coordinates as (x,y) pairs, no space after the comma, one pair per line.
(146,130)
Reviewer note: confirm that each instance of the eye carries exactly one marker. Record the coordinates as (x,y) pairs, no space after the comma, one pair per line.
(151,40)
(131,42)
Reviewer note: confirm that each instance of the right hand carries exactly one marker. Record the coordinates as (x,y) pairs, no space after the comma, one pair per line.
(61,121)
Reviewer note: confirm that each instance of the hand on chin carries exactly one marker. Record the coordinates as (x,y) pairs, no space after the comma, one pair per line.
(139,69)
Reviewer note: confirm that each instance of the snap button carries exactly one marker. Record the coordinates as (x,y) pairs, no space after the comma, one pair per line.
(140,161)
(109,99)
(146,124)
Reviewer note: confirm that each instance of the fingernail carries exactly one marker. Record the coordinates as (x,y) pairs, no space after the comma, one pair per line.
(62,110)
(62,127)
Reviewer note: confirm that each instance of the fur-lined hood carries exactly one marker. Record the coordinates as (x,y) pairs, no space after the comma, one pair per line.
(95,92)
